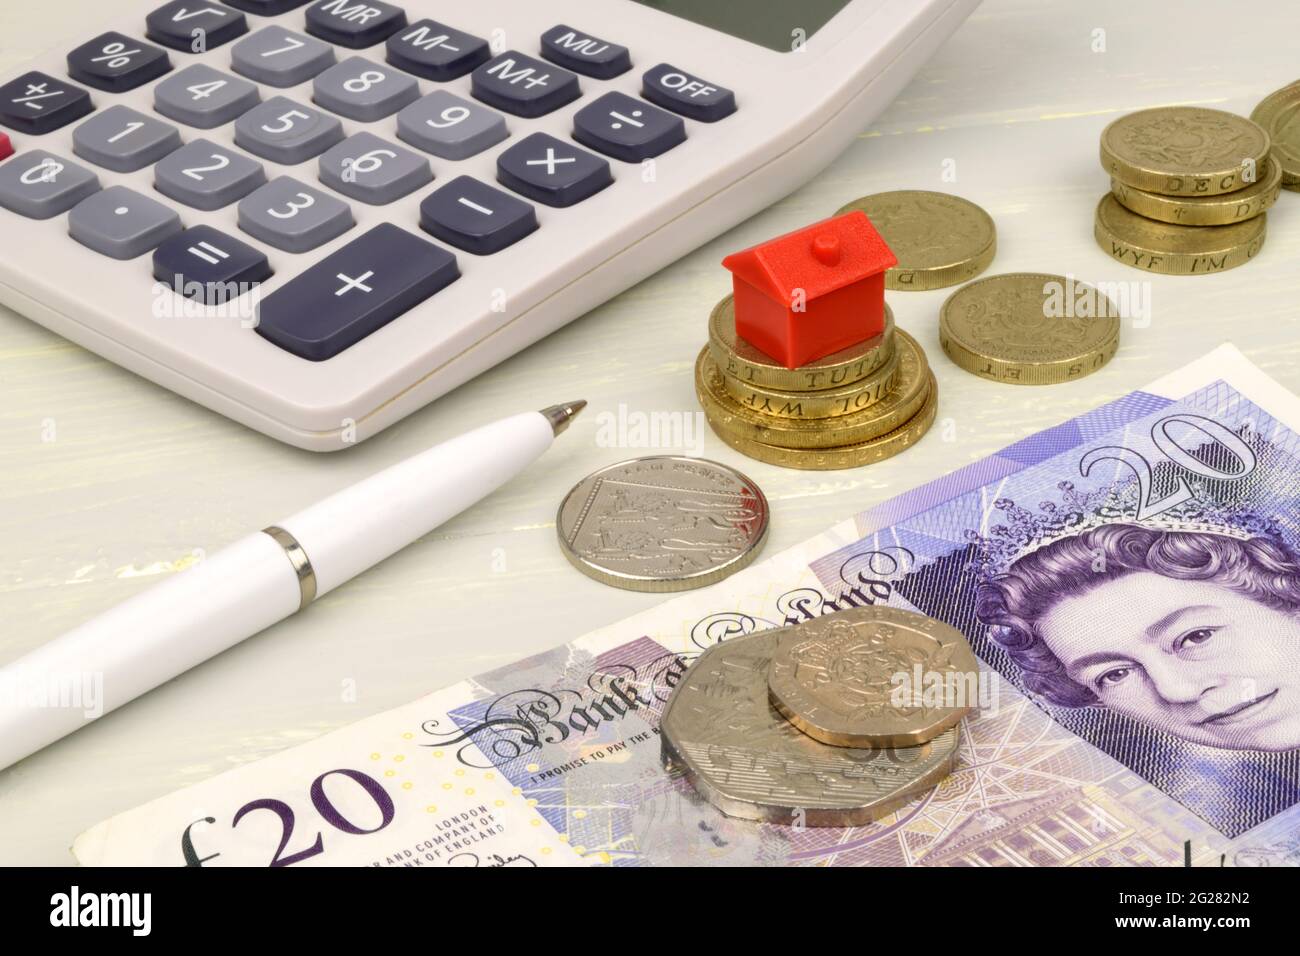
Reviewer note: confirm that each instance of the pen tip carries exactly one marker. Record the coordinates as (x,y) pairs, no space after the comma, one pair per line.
(560,415)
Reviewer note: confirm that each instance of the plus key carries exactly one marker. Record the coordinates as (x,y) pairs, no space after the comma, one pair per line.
(355,291)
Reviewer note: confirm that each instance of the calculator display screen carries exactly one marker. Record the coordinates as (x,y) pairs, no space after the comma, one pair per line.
(776,24)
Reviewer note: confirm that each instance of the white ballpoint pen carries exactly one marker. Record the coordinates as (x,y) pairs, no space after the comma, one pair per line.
(261,579)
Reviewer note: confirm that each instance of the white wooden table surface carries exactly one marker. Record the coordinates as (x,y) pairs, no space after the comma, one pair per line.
(135,479)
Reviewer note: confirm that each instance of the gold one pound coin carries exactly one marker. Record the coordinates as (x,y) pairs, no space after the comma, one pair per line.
(1029,328)
(940,240)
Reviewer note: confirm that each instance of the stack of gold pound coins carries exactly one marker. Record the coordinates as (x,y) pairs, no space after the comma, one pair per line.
(863,404)
(871,400)
(1190,187)
(838,694)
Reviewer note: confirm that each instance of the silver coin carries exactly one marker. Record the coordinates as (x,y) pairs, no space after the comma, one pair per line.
(663,523)
(748,761)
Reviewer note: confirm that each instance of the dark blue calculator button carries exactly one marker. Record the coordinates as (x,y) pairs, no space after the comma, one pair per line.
(436,52)
(355,291)
(523,85)
(551,171)
(692,97)
(584,53)
(266,8)
(209,266)
(37,103)
(475,217)
(194,27)
(116,63)
(354,23)
(627,128)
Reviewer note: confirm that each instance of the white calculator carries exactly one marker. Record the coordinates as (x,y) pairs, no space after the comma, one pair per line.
(317,217)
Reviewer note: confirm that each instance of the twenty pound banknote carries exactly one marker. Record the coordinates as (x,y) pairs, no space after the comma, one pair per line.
(1130,581)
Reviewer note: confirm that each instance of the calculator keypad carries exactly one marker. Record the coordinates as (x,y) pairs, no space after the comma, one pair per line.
(446,125)
(205,264)
(279,57)
(292,216)
(361,89)
(37,103)
(286,132)
(40,185)
(436,52)
(207,176)
(584,53)
(203,97)
(120,223)
(354,291)
(551,171)
(329,305)
(626,128)
(116,63)
(524,86)
(373,170)
(123,140)
(354,23)
(193,27)
(474,216)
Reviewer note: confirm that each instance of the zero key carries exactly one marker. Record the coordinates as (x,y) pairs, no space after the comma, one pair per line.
(354,291)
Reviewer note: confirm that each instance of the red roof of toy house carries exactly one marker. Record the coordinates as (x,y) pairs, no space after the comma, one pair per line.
(820,258)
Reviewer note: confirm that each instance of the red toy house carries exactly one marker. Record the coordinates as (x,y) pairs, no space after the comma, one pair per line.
(812,292)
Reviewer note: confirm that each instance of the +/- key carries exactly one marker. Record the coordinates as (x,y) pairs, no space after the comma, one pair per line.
(354,291)
(37,103)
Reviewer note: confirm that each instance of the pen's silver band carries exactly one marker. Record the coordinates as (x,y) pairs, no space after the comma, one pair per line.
(301,563)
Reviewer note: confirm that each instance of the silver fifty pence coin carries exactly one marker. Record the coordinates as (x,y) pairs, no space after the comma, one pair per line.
(662,523)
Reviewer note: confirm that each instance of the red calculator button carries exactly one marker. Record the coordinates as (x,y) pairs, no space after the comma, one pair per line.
(6,147)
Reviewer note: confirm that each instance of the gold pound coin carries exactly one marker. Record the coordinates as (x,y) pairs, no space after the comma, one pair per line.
(899,406)
(1221,210)
(1183,150)
(1175,250)
(845,456)
(873,676)
(940,240)
(1279,114)
(824,403)
(721,731)
(748,364)
(1029,328)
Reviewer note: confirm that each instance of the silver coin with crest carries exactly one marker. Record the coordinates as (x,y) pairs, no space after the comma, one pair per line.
(750,762)
(662,523)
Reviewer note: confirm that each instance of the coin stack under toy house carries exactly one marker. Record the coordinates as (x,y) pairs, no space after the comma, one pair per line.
(804,367)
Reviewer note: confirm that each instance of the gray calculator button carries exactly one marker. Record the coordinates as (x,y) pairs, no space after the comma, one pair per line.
(279,57)
(448,126)
(123,140)
(373,170)
(201,96)
(40,185)
(290,216)
(122,224)
(286,132)
(362,89)
(207,176)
